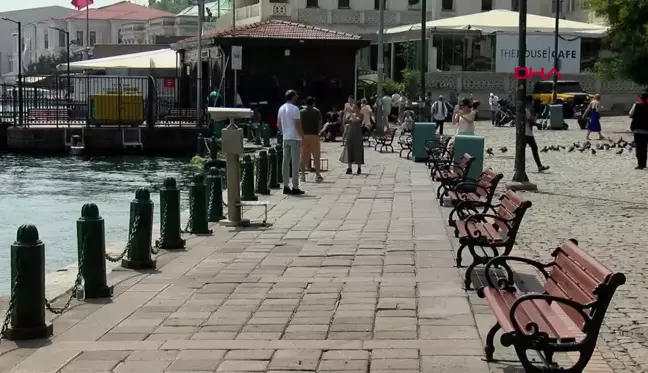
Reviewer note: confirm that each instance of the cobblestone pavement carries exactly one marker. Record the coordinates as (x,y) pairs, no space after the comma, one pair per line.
(357,277)
(600,200)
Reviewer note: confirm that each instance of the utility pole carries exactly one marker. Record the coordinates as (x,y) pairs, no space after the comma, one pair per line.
(423,58)
(556,59)
(199,64)
(520,178)
(380,126)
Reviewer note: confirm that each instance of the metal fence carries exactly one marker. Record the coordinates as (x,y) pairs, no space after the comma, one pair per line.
(96,101)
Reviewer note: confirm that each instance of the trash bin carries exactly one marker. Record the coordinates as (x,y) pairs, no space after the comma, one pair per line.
(421,132)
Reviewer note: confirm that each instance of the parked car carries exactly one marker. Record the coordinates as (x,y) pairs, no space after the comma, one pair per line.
(569,92)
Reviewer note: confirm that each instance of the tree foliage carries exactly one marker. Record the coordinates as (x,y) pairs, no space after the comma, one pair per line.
(171,6)
(627,38)
(46,64)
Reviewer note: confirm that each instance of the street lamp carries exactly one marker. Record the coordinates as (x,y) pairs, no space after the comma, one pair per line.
(20,95)
(67,44)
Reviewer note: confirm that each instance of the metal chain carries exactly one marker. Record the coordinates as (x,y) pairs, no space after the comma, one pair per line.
(131,237)
(163,216)
(191,211)
(257,180)
(12,303)
(210,203)
(77,283)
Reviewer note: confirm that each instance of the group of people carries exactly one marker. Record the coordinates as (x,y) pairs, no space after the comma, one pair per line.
(302,129)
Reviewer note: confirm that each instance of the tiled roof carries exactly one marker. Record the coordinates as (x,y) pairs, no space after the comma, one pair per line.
(121,11)
(278,29)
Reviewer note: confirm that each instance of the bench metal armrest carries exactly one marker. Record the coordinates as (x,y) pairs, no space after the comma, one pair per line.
(468,183)
(504,284)
(480,218)
(464,204)
(533,327)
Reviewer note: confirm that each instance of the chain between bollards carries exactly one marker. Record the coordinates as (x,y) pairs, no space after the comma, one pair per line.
(155,249)
(78,285)
(115,259)
(190,220)
(12,304)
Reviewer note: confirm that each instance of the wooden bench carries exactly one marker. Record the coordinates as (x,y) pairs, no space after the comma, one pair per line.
(405,142)
(438,157)
(577,286)
(474,196)
(435,148)
(48,115)
(386,140)
(182,115)
(367,135)
(451,174)
(493,231)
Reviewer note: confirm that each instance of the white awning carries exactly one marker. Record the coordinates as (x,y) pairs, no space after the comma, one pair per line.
(160,59)
(503,21)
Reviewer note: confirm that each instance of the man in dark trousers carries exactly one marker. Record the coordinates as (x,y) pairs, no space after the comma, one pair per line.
(639,126)
(532,109)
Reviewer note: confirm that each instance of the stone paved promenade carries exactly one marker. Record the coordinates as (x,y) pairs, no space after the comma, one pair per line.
(355,277)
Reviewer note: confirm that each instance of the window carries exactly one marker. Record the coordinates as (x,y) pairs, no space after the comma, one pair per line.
(312,3)
(447,5)
(62,38)
(414,4)
(93,38)
(79,38)
(515,5)
(343,4)
(377,4)
(487,5)
(46,41)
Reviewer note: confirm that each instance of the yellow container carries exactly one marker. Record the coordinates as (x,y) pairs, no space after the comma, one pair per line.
(116,108)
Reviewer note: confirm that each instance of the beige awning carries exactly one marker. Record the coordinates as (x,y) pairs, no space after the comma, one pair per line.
(160,59)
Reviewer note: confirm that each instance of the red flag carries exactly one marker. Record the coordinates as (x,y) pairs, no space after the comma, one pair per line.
(80,4)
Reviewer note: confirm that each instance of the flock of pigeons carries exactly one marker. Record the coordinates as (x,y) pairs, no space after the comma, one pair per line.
(621,145)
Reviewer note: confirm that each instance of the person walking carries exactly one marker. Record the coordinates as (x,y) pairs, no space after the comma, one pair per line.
(353,152)
(529,139)
(464,118)
(493,102)
(402,106)
(367,114)
(427,107)
(439,113)
(311,120)
(348,111)
(639,127)
(289,123)
(594,117)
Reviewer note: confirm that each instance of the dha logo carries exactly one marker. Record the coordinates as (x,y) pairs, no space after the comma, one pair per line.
(527,73)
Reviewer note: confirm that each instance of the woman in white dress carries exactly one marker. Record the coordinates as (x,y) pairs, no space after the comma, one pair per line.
(464,118)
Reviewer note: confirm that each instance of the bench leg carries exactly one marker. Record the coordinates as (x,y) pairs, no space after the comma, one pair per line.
(438,192)
(490,346)
(459,252)
(477,260)
(529,367)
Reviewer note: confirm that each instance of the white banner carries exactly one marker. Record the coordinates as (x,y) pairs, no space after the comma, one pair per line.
(539,53)
(237,57)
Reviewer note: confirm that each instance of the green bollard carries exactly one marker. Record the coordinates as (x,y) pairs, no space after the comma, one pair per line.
(273,182)
(247,184)
(140,232)
(215,206)
(262,173)
(266,135)
(170,232)
(214,148)
(200,146)
(27,304)
(91,244)
(279,149)
(198,206)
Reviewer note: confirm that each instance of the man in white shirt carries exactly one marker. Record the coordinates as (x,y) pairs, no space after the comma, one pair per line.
(386,110)
(289,123)
(439,113)
(493,102)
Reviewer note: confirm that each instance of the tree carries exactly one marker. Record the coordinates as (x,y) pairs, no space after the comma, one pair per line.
(46,64)
(171,6)
(627,38)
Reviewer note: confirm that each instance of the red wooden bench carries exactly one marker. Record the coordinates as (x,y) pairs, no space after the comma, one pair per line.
(451,174)
(474,196)
(566,317)
(490,231)
(438,150)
